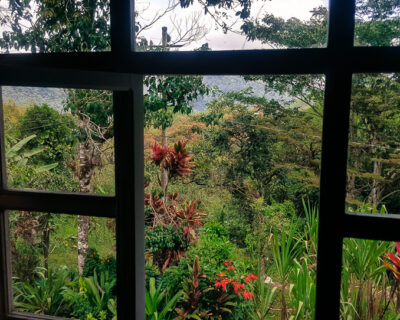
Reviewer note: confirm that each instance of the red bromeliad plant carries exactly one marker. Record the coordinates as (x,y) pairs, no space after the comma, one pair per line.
(395,260)
(159,154)
(179,162)
(175,160)
(170,209)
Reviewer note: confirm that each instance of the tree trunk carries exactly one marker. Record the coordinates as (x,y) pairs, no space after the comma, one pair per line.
(283,302)
(375,194)
(89,158)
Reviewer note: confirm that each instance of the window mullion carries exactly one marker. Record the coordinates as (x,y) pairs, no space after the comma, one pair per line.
(122,28)
(129,166)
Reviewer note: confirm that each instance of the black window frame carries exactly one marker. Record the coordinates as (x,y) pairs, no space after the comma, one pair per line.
(122,70)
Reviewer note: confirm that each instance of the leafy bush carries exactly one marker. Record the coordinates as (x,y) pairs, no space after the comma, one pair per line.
(25,260)
(45,296)
(94,263)
(90,297)
(162,241)
(158,306)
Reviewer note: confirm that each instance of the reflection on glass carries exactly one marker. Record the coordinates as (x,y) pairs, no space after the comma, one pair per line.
(374,144)
(369,280)
(55,273)
(59,139)
(377,23)
(231,195)
(54,26)
(229,25)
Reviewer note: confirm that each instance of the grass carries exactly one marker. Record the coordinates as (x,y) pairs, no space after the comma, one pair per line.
(63,242)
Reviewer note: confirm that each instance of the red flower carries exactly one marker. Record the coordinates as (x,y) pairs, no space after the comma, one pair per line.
(247,295)
(231,268)
(237,286)
(221,274)
(395,268)
(222,284)
(228,263)
(250,278)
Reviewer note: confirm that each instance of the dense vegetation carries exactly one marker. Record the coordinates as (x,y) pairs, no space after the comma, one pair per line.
(231,192)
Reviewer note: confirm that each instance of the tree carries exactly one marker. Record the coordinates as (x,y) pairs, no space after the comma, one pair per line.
(165,97)
(54,133)
(374,96)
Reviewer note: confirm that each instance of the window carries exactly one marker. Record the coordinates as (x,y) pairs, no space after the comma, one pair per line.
(121,70)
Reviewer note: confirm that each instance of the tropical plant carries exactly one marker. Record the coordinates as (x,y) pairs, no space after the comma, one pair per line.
(284,251)
(263,299)
(193,293)
(18,155)
(90,295)
(303,291)
(158,306)
(44,296)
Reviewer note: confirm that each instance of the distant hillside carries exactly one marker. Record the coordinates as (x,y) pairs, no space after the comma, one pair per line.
(34,95)
(233,83)
(54,97)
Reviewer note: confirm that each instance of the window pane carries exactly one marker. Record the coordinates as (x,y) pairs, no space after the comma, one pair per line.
(54,26)
(60,263)
(59,139)
(221,25)
(232,182)
(369,285)
(374,144)
(377,23)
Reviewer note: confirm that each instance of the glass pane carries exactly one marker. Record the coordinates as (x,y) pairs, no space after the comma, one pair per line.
(230,25)
(369,280)
(61,263)
(54,26)
(377,23)
(374,144)
(232,187)
(59,139)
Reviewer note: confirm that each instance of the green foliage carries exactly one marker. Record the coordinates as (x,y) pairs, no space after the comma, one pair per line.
(213,248)
(54,134)
(94,263)
(17,154)
(57,26)
(94,109)
(91,295)
(25,260)
(44,296)
(158,305)
(260,306)
(162,240)
(304,290)
(168,95)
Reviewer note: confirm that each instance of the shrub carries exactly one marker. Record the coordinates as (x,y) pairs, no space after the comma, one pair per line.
(25,260)
(164,242)
(94,263)
(44,296)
